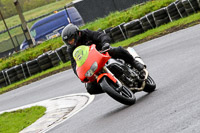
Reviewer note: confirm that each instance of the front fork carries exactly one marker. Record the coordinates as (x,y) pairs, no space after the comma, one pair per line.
(110,75)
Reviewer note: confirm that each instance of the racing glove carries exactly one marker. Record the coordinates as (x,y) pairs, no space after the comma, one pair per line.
(105,46)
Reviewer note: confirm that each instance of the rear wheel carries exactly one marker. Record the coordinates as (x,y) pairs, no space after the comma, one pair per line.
(150,85)
(124,96)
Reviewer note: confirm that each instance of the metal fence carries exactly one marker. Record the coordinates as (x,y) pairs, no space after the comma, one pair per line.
(6,46)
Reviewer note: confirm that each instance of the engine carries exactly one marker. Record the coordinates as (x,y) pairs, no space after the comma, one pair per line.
(124,73)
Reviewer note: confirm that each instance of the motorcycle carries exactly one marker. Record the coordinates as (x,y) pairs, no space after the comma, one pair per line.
(115,77)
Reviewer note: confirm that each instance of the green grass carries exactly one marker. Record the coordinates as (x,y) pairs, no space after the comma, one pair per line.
(13,122)
(162,30)
(12,21)
(134,12)
(30,53)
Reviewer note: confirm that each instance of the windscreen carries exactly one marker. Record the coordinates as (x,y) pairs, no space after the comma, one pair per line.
(80,55)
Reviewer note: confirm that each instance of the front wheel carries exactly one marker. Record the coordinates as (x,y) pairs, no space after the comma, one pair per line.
(125,96)
(150,85)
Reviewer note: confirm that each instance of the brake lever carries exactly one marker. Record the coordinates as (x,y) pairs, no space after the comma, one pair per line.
(104,50)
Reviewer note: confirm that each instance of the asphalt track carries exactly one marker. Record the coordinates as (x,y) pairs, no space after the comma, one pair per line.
(172,60)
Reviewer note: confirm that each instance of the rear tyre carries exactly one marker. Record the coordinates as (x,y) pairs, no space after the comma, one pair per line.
(125,96)
(150,85)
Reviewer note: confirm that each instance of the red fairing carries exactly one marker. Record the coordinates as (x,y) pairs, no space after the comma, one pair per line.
(108,75)
(94,56)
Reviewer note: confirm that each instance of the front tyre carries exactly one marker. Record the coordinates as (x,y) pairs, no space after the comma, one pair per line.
(125,96)
(150,85)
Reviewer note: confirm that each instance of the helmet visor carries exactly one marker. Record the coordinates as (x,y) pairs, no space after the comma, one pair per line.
(72,39)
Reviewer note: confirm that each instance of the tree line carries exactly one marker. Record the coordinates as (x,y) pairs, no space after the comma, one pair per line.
(8,9)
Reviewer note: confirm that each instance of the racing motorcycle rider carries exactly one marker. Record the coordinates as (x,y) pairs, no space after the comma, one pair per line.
(73,37)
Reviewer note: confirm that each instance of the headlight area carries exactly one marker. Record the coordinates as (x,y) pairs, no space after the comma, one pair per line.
(92,69)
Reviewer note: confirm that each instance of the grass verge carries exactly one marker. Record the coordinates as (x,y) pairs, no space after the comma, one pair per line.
(135,12)
(30,53)
(162,30)
(13,122)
